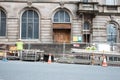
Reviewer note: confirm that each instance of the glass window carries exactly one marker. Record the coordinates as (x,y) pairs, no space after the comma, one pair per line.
(85,0)
(2,23)
(86,26)
(67,19)
(30,25)
(111,59)
(61,17)
(115,58)
(111,2)
(56,16)
(111,33)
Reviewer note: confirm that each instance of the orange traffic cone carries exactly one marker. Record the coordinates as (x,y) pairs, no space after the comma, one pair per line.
(104,63)
(49,59)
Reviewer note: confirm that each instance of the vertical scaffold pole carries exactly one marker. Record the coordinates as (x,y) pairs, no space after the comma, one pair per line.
(64,49)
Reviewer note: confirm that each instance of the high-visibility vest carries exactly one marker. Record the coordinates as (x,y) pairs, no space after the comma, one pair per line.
(19,45)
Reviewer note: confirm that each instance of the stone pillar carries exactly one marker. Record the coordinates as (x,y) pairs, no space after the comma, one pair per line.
(13,29)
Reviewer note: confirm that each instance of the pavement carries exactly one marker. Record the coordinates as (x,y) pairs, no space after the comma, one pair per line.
(22,70)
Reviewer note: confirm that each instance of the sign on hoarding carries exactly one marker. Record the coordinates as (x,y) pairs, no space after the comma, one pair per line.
(77,39)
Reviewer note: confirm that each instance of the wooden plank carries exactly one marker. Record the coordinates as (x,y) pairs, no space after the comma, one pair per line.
(62,26)
(61,36)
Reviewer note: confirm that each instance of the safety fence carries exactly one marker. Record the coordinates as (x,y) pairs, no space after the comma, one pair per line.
(69,53)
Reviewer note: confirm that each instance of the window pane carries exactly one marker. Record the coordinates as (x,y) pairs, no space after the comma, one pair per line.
(67,17)
(24,28)
(36,30)
(3,20)
(86,26)
(24,20)
(115,58)
(56,17)
(112,33)
(30,20)
(3,15)
(115,38)
(3,29)
(110,28)
(30,30)
(36,20)
(85,0)
(111,59)
(35,15)
(24,14)
(30,14)
(118,58)
(2,23)
(109,38)
(110,2)
(56,20)
(62,16)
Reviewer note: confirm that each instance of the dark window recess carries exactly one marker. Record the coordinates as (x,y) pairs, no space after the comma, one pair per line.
(111,58)
(115,58)
(111,7)
(118,58)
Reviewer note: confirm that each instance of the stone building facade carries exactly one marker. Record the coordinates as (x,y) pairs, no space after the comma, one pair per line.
(59,21)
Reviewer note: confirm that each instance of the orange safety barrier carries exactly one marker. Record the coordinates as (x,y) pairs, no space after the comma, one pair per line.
(104,63)
(49,59)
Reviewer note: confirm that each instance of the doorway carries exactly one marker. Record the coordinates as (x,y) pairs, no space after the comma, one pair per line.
(86,38)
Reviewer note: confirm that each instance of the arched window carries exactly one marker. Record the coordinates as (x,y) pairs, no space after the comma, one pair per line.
(30,25)
(86,26)
(61,17)
(2,23)
(111,33)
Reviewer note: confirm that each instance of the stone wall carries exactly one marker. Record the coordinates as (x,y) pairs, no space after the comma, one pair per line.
(46,10)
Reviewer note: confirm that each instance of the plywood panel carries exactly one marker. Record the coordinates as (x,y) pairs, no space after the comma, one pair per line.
(61,36)
(62,26)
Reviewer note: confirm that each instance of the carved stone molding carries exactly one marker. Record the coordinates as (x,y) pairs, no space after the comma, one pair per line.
(61,4)
(29,3)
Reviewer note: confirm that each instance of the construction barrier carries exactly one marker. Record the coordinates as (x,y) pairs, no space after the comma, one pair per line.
(49,59)
(104,63)
(46,58)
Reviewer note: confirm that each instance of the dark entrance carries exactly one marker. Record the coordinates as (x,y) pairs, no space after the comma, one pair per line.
(86,38)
